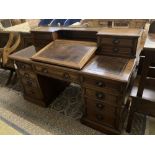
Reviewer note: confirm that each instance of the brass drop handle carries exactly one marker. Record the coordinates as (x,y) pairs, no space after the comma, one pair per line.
(66,76)
(32,91)
(29,83)
(22,66)
(99,117)
(115,49)
(26,75)
(100,95)
(116,41)
(100,84)
(44,70)
(100,106)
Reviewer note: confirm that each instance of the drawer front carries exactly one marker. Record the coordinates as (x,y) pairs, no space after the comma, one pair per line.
(101,113)
(58,73)
(30,82)
(113,50)
(100,84)
(115,41)
(33,92)
(27,75)
(98,95)
(23,66)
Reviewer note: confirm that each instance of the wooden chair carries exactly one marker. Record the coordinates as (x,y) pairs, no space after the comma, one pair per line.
(143,92)
(152,27)
(10,47)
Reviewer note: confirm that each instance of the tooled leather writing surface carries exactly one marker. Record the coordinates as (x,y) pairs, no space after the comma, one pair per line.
(66,53)
(110,67)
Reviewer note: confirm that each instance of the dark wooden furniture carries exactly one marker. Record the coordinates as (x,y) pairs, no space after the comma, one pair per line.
(119,42)
(143,92)
(105,83)
(149,45)
(9,48)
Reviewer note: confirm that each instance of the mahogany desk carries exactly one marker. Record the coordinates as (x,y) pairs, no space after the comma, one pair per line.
(105,82)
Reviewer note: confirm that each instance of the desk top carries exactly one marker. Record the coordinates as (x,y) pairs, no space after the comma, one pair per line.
(150,42)
(118,69)
(114,68)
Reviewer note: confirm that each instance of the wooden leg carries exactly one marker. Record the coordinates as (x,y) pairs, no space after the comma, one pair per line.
(131,116)
(14,79)
(10,77)
(130,120)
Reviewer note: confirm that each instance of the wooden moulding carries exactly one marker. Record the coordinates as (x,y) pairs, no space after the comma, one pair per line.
(73,54)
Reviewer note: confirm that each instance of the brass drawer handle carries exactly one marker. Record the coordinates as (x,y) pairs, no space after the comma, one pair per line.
(100,106)
(44,70)
(29,83)
(66,76)
(32,92)
(23,66)
(116,41)
(100,95)
(26,75)
(99,117)
(115,49)
(100,84)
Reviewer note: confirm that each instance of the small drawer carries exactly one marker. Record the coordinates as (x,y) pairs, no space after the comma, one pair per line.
(112,50)
(100,84)
(98,95)
(58,73)
(101,113)
(27,75)
(33,92)
(115,41)
(23,66)
(30,82)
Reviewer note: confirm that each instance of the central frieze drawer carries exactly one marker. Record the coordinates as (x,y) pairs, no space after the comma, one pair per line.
(58,73)
(115,41)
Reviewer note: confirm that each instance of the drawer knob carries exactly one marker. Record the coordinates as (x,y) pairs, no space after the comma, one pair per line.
(29,83)
(116,41)
(100,84)
(44,70)
(99,117)
(115,49)
(100,95)
(66,76)
(26,75)
(99,106)
(23,66)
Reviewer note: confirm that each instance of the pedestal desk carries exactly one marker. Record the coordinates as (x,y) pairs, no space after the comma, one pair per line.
(105,79)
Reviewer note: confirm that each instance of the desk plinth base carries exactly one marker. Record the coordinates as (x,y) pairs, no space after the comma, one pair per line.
(36,101)
(99,127)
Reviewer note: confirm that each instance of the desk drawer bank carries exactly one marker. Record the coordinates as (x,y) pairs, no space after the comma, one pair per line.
(104,81)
